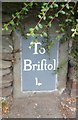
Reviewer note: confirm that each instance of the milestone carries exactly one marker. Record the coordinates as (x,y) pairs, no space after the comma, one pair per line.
(40,65)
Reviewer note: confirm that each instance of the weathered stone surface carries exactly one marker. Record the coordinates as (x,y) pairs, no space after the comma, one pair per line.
(7,81)
(4,85)
(5,18)
(0,43)
(6,56)
(0,81)
(0,55)
(4,32)
(63,58)
(0,64)
(6,71)
(7,78)
(5,64)
(11,6)
(7,44)
(7,91)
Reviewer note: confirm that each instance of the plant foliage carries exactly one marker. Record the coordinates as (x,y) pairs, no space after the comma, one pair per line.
(65,12)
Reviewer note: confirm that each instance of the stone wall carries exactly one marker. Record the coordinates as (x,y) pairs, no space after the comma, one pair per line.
(0,46)
(6,65)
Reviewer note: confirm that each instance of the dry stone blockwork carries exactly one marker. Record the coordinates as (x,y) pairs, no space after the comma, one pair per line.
(6,65)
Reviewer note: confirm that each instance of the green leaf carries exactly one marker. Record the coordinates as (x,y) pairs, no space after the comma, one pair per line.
(45,34)
(55,5)
(62,5)
(57,31)
(77,29)
(72,12)
(43,10)
(32,34)
(67,6)
(17,15)
(76,20)
(72,30)
(41,35)
(56,15)
(31,29)
(62,12)
(49,46)
(45,4)
(49,24)
(39,16)
(62,29)
(44,18)
(68,20)
(13,15)
(37,28)
(17,23)
(60,25)
(5,27)
(51,6)
(25,9)
(40,26)
(73,35)
(50,17)
(12,22)
(28,34)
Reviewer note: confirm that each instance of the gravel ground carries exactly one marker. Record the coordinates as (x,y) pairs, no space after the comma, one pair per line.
(43,105)
(38,105)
